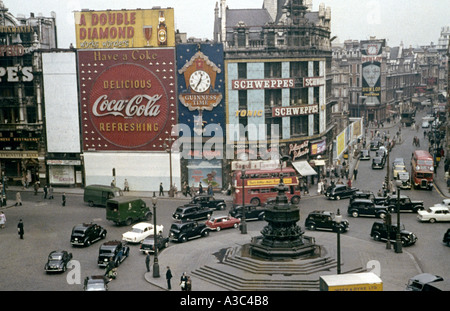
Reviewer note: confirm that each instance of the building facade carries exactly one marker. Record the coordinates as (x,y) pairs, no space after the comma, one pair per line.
(277,89)
(22,133)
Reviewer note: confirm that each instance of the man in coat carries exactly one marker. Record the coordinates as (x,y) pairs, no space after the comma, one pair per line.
(168,277)
(20,230)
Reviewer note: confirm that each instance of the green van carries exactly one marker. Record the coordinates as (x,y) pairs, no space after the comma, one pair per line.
(99,194)
(126,210)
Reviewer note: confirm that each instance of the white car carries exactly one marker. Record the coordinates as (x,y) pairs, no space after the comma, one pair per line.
(425,124)
(140,231)
(434,213)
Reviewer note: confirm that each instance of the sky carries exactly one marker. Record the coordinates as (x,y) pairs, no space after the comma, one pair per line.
(411,22)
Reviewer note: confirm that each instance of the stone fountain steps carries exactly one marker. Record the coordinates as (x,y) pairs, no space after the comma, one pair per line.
(242,273)
(232,281)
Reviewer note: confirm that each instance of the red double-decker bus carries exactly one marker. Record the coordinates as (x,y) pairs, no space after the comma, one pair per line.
(260,185)
(422,170)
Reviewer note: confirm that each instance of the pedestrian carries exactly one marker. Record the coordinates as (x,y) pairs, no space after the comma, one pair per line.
(36,187)
(147,261)
(320,187)
(2,220)
(188,284)
(175,191)
(20,230)
(64,199)
(349,183)
(183,281)
(355,172)
(50,192)
(210,189)
(168,277)
(126,186)
(188,190)
(45,191)
(161,190)
(200,188)
(18,199)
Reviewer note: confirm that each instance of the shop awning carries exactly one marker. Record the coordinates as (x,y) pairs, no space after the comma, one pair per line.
(318,162)
(303,168)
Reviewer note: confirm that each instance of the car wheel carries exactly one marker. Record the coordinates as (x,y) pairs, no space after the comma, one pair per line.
(88,243)
(222,207)
(218,229)
(236,225)
(355,214)
(166,245)
(205,233)
(91,204)
(295,200)
(255,202)
(183,239)
(432,220)
(103,235)
(128,222)
(338,197)
(382,215)
(208,216)
(311,227)
(377,237)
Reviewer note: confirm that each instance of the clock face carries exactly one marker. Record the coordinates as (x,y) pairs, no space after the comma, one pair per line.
(200,81)
(372,50)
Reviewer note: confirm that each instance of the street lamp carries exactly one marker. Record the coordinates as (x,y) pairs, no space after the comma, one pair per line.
(168,148)
(244,209)
(155,244)
(338,219)
(398,241)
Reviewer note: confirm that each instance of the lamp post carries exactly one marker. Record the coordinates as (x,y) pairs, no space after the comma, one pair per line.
(398,241)
(338,219)
(244,209)
(155,236)
(168,148)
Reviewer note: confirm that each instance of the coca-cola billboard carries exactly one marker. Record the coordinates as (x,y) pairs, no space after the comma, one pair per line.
(127,98)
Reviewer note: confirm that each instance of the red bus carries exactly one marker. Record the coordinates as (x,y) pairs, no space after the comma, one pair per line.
(260,186)
(422,169)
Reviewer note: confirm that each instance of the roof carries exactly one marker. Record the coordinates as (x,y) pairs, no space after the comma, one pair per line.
(142,225)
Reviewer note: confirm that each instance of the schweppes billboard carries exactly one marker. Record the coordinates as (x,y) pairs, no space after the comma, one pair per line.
(125,29)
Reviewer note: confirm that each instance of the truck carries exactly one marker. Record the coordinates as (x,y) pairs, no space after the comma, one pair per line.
(126,210)
(356,282)
(99,194)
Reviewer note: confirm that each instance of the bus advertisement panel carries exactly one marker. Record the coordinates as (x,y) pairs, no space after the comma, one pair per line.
(260,185)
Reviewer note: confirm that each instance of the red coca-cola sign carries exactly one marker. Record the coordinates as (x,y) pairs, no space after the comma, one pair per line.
(127,98)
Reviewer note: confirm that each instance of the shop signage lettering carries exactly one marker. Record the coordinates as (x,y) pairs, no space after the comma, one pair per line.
(127,108)
(249,113)
(16,29)
(298,150)
(313,81)
(257,84)
(12,50)
(294,110)
(16,74)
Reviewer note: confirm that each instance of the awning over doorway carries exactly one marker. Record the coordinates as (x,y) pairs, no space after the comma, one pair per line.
(303,168)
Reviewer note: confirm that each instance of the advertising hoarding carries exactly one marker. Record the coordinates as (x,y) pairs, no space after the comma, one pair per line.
(125,29)
(127,98)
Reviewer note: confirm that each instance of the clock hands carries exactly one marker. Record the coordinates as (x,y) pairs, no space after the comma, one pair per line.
(200,80)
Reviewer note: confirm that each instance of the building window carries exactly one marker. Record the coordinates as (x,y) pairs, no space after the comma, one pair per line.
(242,70)
(272,98)
(299,126)
(272,70)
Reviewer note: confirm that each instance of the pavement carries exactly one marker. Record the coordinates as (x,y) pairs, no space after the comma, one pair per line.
(356,254)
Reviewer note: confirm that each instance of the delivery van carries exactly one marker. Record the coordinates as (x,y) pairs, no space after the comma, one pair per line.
(125,210)
(99,194)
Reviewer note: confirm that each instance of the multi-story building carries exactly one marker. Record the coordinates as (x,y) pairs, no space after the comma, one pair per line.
(277,61)
(22,134)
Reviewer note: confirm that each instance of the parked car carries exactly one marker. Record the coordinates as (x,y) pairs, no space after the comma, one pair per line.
(446,238)
(398,168)
(364,155)
(206,200)
(115,251)
(251,212)
(380,232)
(398,161)
(95,283)
(86,234)
(418,282)
(325,220)
(185,230)
(377,163)
(140,231)
(148,245)
(339,191)
(57,261)
(192,212)
(222,222)
(366,207)
(406,204)
(434,213)
(404,179)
